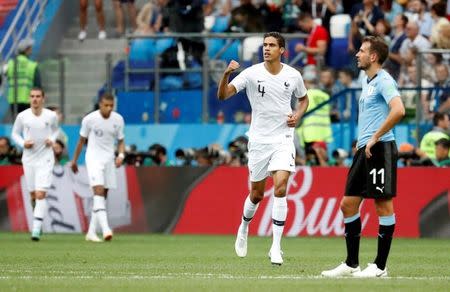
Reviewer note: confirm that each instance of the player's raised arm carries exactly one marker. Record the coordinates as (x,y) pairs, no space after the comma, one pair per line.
(74,163)
(225,90)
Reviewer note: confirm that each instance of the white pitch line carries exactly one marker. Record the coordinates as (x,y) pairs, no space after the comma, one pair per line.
(198,276)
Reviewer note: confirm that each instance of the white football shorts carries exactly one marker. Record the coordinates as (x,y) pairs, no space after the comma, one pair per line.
(38,175)
(102,174)
(263,159)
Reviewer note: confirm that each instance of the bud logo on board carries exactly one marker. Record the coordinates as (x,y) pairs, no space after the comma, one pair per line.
(320,215)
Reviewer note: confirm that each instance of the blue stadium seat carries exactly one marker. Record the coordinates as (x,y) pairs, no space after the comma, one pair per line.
(181,106)
(136,107)
(142,50)
(136,80)
(220,24)
(232,52)
(163,44)
(338,56)
(229,107)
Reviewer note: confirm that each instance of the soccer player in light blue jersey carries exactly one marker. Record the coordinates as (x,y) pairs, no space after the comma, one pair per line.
(373,173)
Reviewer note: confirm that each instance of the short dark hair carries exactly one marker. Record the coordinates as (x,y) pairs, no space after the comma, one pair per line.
(303,15)
(8,142)
(439,8)
(438,117)
(280,39)
(405,20)
(444,142)
(378,46)
(38,89)
(106,96)
(157,149)
(61,143)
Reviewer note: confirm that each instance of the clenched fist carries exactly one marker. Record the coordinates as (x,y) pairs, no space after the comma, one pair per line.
(233,66)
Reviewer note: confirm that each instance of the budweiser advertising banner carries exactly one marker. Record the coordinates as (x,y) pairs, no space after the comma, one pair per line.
(184,200)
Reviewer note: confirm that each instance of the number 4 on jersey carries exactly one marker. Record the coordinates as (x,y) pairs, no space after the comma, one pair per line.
(261,90)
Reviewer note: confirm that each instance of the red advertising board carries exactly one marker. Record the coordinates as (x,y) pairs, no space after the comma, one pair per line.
(215,205)
(184,200)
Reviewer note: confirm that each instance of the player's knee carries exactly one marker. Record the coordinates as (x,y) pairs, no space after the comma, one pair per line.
(83,5)
(384,209)
(98,6)
(280,191)
(348,209)
(99,191)
(40,195)
(256,196)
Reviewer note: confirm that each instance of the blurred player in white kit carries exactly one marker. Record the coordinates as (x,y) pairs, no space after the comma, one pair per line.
(101,130)
(35,130)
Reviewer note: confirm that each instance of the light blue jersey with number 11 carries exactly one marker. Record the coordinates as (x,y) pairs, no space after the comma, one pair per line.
(376,95)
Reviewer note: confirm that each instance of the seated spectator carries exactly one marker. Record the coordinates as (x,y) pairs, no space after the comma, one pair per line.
(100,19)
(440,130)
(149,19)
(345,77)
(323,10)
(185,15)
(59,149)
(409,95)
(438,14)
(339,158)
(362,14)
(272,16)
(442,158)
(358,29)
(391,9)
(291,11)
(8,154)
(238,151)
(413,39)
(394,61)
(316,43)
(429,64)
(443,40)
(5,146)
(440,98)
(417,12)
(246,18)
(217,8)
(157,156)
(383,30)
(442,153)
(327,83)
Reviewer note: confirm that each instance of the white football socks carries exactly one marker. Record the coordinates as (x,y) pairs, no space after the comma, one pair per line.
(99,208)
(39,213)
(249,212)
(279,214)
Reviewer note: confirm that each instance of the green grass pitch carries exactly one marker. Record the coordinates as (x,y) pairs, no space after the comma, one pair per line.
(208,263)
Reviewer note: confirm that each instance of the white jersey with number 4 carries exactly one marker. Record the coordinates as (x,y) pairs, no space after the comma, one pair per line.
(270,98)
(102,135)
(38,129)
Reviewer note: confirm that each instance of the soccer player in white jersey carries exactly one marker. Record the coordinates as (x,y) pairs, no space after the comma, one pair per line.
(35,130)
(101,129)
(269,86)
